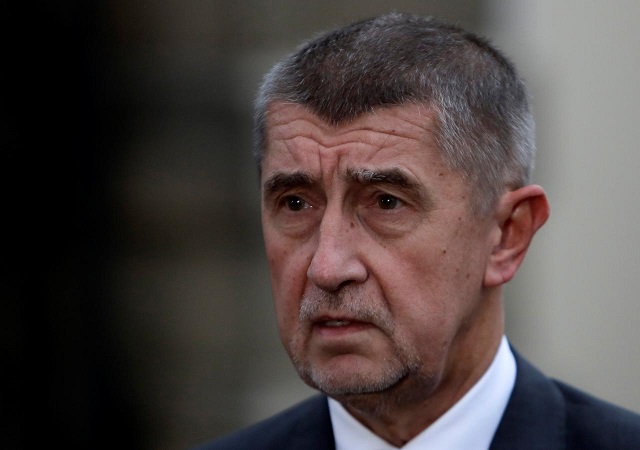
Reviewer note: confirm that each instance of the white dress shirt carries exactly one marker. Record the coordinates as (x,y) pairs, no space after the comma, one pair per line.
(469,424)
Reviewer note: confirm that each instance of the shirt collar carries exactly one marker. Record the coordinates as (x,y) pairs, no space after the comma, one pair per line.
(471,422)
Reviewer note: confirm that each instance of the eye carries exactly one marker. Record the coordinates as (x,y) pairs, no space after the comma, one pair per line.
(295,203)
(386,201)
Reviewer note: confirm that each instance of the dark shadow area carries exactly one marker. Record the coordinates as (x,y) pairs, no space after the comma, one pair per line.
(136,307)
(65,381)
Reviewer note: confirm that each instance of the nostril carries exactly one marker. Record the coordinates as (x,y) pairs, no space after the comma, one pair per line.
(344,284)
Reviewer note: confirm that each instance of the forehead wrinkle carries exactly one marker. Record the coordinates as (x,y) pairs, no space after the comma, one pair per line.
(307,141)
(376,137)
(329,135)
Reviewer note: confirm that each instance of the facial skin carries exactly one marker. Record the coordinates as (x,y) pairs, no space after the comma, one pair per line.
(386,284)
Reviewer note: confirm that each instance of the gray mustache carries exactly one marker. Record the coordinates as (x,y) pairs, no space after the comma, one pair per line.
(351,301)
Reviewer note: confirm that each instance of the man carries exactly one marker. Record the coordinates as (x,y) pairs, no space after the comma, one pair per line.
(395,157)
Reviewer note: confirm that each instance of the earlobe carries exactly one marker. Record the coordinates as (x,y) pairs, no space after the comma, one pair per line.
(520,214)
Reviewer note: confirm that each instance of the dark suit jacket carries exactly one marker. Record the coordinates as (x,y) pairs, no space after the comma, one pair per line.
(541,414)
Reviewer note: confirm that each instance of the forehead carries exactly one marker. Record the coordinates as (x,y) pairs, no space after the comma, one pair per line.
(402,135)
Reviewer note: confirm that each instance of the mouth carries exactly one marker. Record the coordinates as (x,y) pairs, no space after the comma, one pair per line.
(339,326)
(335,320)
(335,323)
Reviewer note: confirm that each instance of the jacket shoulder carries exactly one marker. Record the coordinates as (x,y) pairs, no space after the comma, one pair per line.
(306,425)
(545,414)
(596,424)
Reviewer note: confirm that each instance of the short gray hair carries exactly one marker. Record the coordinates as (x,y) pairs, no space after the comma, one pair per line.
(485,127)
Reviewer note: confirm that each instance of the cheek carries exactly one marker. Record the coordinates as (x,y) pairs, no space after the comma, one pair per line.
(409,285)
(421,290)
(288,270)
(285,265)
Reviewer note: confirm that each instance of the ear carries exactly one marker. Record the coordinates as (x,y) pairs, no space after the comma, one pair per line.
(519,215)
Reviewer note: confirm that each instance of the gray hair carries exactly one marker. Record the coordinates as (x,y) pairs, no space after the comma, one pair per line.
(485,127)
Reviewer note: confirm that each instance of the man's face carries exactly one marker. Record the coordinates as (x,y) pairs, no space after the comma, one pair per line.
(377,261)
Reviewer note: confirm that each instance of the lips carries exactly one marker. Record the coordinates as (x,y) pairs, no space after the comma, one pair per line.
(335,320)
(340,325)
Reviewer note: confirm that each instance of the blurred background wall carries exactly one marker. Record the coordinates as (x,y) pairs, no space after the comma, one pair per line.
(138,310)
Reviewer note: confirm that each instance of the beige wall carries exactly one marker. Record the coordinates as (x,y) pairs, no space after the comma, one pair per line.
(574,307)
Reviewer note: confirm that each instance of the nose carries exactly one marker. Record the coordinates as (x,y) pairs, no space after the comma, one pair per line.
(336,261)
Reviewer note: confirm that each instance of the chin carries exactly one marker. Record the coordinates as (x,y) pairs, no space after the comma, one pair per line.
(373,392)
(352,377)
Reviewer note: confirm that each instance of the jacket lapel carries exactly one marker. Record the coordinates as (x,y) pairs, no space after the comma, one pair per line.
(535,415)
(313,430)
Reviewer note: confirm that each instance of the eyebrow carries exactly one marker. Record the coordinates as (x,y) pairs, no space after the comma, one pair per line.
(281,181)
(389,176)
(393,177)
